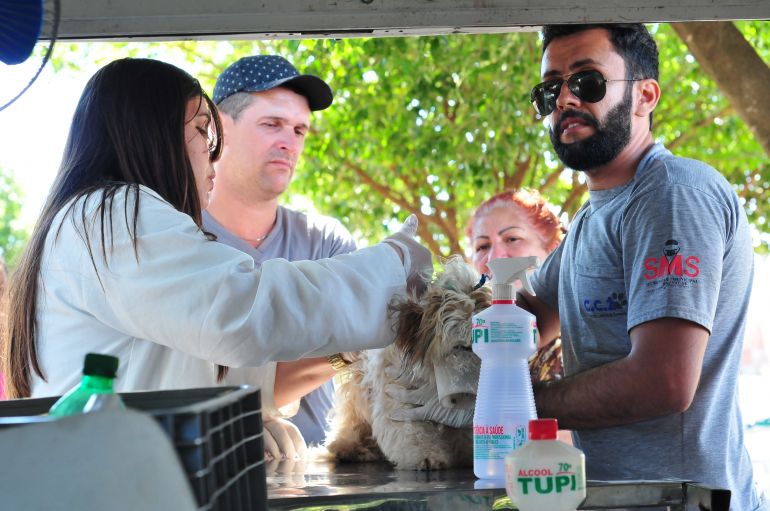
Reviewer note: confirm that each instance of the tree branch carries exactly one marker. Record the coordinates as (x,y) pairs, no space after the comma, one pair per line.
(385,191)
(681,139)
(521,171)
(424,221)
(447,225)
(406,177)
(449,112)
(453,234)
(551,179)
(423,231)
(742,76)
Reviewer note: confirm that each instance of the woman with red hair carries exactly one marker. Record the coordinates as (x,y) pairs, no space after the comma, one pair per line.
(519,223)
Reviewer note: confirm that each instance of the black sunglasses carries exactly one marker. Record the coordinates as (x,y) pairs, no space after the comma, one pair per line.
(588,85)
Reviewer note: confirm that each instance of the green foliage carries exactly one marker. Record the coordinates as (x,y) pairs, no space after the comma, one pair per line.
(12,239)
(694,120)
(435,125)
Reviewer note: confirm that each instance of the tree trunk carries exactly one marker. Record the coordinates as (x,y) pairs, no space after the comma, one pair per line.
(742,76)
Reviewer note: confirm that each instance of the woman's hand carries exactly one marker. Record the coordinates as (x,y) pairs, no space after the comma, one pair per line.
(283,440)
(418,261)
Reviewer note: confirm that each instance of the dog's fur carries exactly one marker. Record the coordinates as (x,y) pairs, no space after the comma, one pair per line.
(429,328)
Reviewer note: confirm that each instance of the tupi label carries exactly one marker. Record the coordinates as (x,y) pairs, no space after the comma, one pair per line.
(543,481)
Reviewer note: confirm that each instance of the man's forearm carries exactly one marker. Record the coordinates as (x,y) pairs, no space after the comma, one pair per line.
(610,395)
(658,377)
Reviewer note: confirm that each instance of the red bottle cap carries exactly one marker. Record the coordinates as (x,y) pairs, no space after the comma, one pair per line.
(543,429)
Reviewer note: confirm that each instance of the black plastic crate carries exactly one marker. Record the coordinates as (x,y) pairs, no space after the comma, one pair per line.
(217,433)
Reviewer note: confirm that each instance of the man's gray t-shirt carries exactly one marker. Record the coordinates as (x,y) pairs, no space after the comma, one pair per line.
(297,237)
(674,242)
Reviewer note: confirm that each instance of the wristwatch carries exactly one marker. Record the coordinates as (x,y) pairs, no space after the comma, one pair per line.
(337,362)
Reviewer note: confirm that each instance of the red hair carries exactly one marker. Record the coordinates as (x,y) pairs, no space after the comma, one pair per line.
(531,205)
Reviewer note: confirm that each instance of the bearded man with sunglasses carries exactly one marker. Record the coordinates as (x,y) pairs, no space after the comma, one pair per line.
(649,289)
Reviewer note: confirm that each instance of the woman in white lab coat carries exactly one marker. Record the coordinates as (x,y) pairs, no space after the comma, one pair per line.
(118,264)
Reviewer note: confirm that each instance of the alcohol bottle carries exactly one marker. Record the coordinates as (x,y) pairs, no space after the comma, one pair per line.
(545,473)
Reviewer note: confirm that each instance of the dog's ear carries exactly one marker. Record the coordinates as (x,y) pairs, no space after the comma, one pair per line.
(409,315)
(482,297)
(421,328)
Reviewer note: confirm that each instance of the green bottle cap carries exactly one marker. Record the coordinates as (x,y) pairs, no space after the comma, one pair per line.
(100,365)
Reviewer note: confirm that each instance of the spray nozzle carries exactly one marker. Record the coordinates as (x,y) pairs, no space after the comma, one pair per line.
(507,270)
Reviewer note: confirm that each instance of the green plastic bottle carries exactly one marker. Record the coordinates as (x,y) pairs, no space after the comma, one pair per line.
(98,375)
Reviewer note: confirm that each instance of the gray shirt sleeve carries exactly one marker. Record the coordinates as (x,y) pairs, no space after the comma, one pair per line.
(673,243)
(341,240)
(545,281)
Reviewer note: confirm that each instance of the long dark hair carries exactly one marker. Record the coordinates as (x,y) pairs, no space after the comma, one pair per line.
(127,130)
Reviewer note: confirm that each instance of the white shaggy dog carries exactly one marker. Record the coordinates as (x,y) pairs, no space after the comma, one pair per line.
(433,331)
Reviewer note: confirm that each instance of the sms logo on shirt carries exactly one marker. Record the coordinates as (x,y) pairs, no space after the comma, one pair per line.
(672,268)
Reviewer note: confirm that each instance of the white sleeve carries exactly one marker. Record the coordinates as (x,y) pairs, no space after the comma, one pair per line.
(206,299)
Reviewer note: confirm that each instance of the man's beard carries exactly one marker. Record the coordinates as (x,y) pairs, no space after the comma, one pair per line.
(604,145)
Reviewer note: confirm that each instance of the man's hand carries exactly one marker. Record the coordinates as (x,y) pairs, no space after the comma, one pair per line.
(283,440)
(422,404)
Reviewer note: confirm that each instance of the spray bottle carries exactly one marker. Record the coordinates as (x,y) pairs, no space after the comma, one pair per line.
(504,337)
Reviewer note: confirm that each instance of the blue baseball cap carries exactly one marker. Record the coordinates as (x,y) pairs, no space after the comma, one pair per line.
(264,72)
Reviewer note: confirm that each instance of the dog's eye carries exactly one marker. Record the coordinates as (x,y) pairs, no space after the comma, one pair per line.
(463,348)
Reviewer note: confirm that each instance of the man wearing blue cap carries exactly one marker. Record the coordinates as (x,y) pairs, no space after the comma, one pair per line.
(265,105)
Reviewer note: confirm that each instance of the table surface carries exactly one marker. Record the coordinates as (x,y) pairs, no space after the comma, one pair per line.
(325,486)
